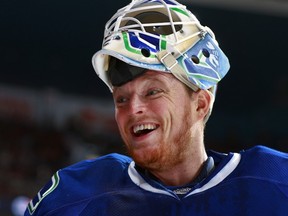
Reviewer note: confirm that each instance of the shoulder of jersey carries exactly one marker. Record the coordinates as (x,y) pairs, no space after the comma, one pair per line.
(79,181)
(266,163)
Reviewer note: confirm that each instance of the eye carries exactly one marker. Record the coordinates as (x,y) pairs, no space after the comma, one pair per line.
(153,92)
(121,100)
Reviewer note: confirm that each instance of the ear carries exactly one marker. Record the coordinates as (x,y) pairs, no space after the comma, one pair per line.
(204,100)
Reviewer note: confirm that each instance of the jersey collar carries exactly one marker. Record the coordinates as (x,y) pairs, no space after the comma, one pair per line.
(225,167)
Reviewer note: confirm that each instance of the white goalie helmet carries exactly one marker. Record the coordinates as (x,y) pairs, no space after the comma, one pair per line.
(159,35)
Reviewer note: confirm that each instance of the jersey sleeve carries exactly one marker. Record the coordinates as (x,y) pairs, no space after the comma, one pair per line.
(73,184)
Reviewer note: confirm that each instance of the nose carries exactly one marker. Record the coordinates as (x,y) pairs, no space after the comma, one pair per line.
(136,105)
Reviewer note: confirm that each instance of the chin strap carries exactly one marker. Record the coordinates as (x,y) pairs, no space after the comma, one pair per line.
(171,63)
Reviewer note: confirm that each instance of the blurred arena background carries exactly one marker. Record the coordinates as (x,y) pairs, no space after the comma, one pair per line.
(54,111)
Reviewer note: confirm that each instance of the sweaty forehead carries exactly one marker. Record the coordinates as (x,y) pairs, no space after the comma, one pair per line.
(157,75)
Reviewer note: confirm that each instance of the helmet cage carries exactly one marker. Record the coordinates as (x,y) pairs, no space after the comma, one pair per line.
(162,35)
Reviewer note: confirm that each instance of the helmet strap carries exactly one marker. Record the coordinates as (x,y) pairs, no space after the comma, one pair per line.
(171,63)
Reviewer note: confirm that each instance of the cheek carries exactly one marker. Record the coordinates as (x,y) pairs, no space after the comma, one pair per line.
(160,107)
(119,117)
(122,119)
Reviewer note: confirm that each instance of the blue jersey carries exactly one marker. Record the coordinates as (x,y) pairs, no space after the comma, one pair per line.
(252,182)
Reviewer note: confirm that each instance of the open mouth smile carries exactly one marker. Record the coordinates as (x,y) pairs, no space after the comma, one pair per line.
(143,129)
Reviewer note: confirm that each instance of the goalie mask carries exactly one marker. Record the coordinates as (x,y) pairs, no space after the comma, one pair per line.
(159,35)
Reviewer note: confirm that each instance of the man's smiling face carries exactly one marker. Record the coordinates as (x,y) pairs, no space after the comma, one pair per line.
(155,118)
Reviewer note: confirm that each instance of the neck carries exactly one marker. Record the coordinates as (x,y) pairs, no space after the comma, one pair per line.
(184,172)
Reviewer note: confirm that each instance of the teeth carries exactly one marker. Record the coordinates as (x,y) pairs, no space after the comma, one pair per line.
(141,127)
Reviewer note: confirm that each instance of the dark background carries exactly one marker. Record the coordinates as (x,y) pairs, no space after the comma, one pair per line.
(49,45)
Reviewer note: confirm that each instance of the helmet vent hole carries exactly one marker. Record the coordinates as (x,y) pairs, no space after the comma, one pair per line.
(195,59)
(145,52)
(206,53)
(117,37)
